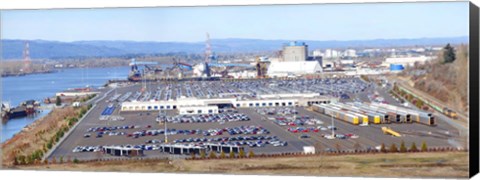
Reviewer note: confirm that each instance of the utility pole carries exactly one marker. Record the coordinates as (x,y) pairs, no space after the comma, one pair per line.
(165,132)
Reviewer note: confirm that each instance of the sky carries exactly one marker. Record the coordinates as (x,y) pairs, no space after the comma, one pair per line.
(319,22)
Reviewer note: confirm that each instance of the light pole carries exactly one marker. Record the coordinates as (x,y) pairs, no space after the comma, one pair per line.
(165,124)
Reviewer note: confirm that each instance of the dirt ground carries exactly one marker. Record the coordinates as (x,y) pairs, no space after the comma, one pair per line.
(35,136)
(431,164)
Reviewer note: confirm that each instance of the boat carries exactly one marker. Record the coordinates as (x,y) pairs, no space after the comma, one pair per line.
(24,109)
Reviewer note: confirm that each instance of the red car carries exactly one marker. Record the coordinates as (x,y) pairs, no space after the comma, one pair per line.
(149,126)
(315,130)
(295,131)
(349,135)
(305,130)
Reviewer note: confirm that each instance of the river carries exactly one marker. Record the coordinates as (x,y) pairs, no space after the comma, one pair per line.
(39,86)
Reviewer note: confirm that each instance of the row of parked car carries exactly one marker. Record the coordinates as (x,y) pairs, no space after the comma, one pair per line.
(310,129)
(222,117)
(236,130)
(295,121)
(225,139)
(113,128)
(277,111)
(100,132)
(87,149)
(148,147)
(251,141)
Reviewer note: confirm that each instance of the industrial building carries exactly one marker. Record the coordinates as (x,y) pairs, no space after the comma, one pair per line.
(295,51)
(396,67)
(284,69)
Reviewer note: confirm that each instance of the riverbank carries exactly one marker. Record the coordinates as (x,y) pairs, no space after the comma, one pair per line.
(16,89)
(25,74)
(37,138)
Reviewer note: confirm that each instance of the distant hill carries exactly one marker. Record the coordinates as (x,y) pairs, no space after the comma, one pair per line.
(12,49)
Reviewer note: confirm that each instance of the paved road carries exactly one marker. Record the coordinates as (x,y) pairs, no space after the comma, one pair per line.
(370,136)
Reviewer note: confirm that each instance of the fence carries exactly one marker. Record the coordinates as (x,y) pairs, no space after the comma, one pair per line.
(261,156)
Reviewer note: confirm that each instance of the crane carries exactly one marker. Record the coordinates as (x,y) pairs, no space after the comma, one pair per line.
(388,130)
(135,73)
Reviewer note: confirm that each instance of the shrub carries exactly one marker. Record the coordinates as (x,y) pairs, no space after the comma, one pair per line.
(241,153)
(212,154)
(393,148)
(424,146)
(75,160)
(21,159)
(413,148)
(382,148)
(202,154)
(58,101)
(232,154)
(193,155)
(222,155)
(402,147)
(251,154)
(61,159)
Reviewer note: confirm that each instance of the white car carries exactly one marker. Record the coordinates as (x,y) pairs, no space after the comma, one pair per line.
(329,137)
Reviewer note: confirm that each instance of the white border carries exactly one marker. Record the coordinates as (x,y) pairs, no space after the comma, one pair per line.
(49,4)
(54,4)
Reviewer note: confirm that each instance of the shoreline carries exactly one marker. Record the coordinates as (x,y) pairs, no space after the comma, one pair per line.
(26,74)
(26,126)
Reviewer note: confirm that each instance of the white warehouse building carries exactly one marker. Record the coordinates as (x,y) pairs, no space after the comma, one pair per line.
(284,69)
(198,110)
(211,106)
(407,61)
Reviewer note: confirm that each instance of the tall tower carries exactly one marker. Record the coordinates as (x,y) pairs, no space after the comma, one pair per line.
(26,58)
(208,49)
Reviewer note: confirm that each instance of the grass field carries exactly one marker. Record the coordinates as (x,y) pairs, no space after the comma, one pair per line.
(431,164)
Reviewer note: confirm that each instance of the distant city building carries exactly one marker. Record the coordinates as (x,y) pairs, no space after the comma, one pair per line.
(347,61)
(317,53)
(330,54)
(295,51)
(350,53)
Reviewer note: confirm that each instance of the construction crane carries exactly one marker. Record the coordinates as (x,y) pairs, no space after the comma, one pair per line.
(388,130)
(180,66)
(261,67)
(135,73)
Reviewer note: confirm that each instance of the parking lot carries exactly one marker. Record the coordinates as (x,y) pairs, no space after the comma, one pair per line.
(341,88)
(268,130)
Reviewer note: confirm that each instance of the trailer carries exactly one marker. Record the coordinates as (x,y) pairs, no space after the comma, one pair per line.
(410,115)
(337,113)
(372,117)
(379,116)
(349,109)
